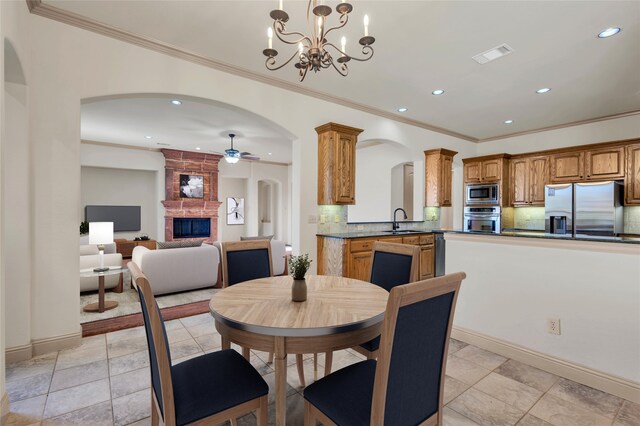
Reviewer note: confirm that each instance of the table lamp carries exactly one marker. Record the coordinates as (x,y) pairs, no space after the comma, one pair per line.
(101,233)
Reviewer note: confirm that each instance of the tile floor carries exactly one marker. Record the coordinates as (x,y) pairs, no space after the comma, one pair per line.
(105,381)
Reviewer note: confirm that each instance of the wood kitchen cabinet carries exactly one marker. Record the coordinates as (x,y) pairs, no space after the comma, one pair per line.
(604,163)
(438,176)
(567,167)
(528,177)
(337,163)
(489,169)
(632,177)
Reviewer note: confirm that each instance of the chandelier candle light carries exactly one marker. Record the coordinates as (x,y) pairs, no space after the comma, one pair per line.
(313,50)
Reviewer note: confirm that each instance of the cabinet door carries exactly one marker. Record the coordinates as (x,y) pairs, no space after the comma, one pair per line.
(605,163)
(632,178)
(344,184)
(491,170)
(472,172)
(538,178)
(360,268)
(426,262)
(567,167)
(519,182)
(447,172)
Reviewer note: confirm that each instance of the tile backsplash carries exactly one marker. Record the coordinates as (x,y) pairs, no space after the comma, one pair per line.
(529,218)
(333,219)
(632,220)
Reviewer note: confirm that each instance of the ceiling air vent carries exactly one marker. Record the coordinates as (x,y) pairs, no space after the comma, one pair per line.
(492,54)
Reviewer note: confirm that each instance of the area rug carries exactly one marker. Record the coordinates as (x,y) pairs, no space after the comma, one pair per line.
(128,302)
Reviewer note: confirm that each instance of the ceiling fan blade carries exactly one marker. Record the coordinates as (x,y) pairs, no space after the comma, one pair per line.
(249,156)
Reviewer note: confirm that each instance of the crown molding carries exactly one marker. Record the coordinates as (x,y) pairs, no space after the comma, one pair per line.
(37,7)
(561,126)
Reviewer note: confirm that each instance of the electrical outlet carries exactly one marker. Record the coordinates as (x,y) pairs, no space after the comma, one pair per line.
(553,325)
(336,218)
(360,227)
(323,218)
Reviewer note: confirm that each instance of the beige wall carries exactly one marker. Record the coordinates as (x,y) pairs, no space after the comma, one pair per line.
(121,187)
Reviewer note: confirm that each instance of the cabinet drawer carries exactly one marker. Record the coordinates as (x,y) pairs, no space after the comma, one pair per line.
(361,245)
(426,239)
(415,240)
(394,240)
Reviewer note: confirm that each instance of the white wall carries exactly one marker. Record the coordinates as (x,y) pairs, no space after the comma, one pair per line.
(514,284)
(230,187)
(374,167)
(121,187)
(68,64)
(601,131)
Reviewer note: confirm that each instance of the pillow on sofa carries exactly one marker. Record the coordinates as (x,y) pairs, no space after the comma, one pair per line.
(261,237)
(178,244)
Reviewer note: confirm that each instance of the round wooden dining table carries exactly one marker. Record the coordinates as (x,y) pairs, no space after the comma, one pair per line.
(339,313)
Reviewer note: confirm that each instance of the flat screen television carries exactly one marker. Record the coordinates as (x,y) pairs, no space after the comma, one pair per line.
(124,218)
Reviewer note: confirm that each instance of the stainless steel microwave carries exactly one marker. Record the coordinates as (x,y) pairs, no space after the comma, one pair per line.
(483,193)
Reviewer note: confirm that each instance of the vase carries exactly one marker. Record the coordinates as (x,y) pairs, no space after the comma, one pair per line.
(299,290)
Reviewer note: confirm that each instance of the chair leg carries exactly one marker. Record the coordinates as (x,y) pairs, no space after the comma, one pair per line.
(262,414)
(315,367)
(309,420)
(234,421)
(270,359)
(155,419)
(300,365)
(246,353)
(328,360)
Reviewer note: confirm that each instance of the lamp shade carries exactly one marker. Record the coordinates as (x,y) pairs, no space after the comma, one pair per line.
(100,232)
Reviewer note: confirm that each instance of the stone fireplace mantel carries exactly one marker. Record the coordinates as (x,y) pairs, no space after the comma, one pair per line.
(190,163)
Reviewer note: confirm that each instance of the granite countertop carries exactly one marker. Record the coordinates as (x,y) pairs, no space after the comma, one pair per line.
(542,234)
(365,234)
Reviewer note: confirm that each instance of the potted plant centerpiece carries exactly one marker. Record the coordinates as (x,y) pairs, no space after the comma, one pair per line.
(298,266)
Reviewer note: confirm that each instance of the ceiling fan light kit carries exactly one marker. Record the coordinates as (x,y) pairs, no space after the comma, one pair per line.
(231,155)
(313,52)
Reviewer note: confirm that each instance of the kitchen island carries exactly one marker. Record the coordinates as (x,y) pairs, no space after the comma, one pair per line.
(348,254)
(517,282)
(522,233)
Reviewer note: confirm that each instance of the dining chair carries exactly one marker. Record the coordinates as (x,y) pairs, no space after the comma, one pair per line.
(245,261)
(392,264)
(405,386)
(208,389)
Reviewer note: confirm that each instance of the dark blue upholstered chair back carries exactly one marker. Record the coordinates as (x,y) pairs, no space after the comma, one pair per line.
(413,389)
(390,269)
(155,368)
(245,265)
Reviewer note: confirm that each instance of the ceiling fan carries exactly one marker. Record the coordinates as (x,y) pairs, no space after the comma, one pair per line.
(232,155)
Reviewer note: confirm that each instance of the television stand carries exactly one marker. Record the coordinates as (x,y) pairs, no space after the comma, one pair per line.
(125,247)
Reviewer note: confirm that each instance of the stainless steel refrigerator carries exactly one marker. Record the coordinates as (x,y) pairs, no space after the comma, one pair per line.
(592,208)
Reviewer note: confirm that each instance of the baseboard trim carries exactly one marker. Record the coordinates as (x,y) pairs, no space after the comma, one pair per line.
(52,344)
(4,408)
(18,353)
(596,379)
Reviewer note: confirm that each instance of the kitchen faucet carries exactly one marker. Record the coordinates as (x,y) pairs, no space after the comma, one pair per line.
(395,225)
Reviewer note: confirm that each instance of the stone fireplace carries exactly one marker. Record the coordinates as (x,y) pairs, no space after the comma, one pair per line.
(187,163)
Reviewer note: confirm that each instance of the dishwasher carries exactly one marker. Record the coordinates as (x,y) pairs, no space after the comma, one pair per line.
(440,251)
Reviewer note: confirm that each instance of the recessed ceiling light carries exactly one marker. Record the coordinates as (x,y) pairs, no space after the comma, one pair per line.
(609,32)
(176,102)
(543,90)
(437,92)
(508,121)
(403,109)
(197,148)
(270,154)
(148,137)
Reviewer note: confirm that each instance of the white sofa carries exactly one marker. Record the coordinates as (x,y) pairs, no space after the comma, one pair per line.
(178,269)
(89,258)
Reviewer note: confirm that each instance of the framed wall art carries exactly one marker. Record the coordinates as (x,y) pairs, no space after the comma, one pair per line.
(235,211)
(191,186)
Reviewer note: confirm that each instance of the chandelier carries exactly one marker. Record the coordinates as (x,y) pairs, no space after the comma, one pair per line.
(314,51)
